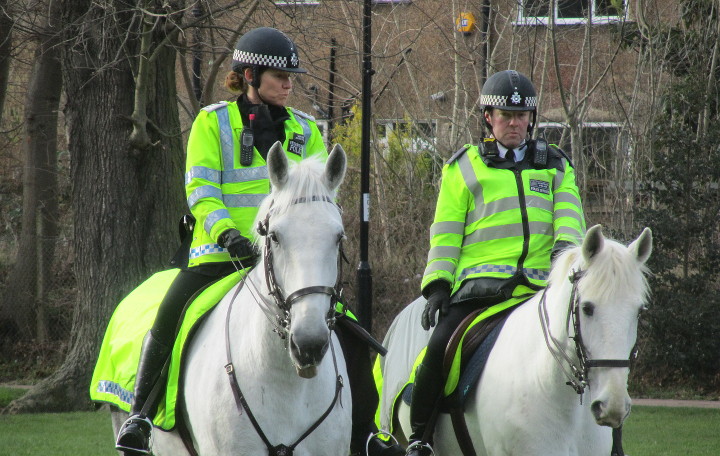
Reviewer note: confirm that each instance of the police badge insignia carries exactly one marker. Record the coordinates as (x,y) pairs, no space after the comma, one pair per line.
(296,144)
(294,59)
(516,98)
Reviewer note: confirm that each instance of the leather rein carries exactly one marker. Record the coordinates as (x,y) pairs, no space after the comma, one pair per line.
(282,328)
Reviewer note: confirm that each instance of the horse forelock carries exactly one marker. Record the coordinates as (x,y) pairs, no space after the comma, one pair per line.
(305,183)
(613,272)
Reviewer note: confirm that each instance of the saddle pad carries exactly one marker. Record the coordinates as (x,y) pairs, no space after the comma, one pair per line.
(113,379)
(395,372)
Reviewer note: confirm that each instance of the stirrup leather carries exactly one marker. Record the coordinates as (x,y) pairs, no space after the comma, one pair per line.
(144,425)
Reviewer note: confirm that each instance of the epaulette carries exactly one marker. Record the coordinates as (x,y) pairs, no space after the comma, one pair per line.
(555,148)
(305,115)
(458,154)
(215,106)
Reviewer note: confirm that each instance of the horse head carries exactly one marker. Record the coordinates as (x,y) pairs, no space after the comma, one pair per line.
(301,231)
(609,293)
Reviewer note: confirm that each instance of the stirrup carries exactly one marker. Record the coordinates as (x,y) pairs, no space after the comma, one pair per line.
(145,426)
(419,445)
(377,434)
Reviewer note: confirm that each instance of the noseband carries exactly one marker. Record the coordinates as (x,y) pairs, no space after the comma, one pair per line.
(578,372)
(284,303)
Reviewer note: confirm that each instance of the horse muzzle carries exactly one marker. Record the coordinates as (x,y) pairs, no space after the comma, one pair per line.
(607,414)
(307,353)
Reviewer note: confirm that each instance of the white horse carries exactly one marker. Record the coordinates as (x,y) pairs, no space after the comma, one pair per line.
(293,386)
(522,404)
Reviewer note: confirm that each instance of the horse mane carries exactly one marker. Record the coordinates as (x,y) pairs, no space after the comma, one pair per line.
(613,270)
(305,183)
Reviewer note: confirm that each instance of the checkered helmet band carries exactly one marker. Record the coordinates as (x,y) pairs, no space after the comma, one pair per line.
(513,101)
(272,61)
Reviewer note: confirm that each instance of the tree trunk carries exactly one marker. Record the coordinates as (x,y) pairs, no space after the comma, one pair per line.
(6,23)
(126,201)
(40,188)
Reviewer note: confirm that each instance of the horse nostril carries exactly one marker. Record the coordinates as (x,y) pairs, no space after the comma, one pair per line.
(597,408)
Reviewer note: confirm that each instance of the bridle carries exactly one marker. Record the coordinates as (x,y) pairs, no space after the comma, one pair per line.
(576,372)
(282,328)
(283,303)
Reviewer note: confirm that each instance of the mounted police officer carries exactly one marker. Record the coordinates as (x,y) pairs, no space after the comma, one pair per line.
(226,179)
(504,207)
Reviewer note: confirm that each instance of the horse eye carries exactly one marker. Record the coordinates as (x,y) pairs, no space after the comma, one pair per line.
(341,237)
(273,237)
(588,309)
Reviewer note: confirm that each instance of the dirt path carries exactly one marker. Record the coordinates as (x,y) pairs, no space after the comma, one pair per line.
(676,403)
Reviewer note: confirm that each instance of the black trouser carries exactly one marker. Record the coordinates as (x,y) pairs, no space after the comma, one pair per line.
(186,284)
(428,380)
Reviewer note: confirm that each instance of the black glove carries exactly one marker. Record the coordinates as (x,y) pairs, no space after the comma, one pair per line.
(438,298)
(236,244)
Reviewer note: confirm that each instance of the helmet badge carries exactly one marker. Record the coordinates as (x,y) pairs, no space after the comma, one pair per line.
(294,59)
(516,98)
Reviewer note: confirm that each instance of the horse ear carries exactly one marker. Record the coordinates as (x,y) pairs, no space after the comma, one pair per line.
(335,167)
(593,242)
(277,165)
(642,246)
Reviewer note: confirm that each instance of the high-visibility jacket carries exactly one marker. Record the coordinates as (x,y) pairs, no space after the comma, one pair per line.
(500,220)
(223,194)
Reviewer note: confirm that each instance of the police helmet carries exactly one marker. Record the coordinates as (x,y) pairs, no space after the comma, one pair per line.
(510,91)
(265,47)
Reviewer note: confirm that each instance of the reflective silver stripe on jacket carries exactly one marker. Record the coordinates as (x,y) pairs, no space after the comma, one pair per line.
(244,200)
(537,274)
(440,265)
(202,172)
(447,228)
(302,119)
(226,137)
(206,191)
(214,217)
(492,233)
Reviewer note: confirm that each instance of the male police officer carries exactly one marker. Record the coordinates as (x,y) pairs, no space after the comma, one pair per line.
(504,206)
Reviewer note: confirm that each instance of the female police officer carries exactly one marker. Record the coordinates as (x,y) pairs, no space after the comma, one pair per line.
(503,208)
(226,179)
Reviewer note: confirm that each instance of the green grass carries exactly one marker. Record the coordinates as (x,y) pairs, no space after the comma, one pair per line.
(65,434)
(9,394)
(650,431)
(670,431)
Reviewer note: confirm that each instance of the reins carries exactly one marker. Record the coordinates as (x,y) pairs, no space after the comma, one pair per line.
(282,328)
(576,373)
(282,449)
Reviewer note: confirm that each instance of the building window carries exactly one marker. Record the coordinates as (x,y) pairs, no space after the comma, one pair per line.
(414,136)
(297,2)
(603,165)
(323,127)
(538,12)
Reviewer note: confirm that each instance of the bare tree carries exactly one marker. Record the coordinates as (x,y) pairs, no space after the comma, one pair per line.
(24,297)
(127,195)
(6,24)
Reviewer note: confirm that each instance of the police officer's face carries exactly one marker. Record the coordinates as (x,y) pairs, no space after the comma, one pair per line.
(509,127)
(275,87)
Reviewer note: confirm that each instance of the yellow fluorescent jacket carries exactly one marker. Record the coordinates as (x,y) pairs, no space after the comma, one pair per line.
(223,194)
(492,222)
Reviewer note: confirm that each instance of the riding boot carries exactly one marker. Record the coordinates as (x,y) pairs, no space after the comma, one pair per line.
(134,436)
(426,391)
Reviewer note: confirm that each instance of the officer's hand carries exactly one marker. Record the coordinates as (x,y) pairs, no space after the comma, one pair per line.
(438,299)
(236,244)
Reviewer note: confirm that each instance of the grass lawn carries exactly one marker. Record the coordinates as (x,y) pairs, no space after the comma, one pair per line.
(650,431)
(57,434)
(670,431)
